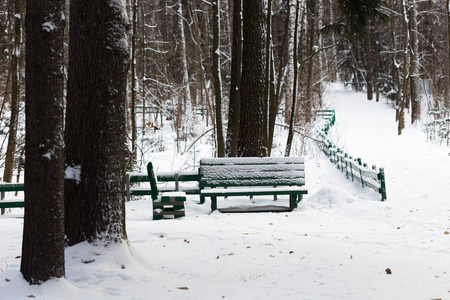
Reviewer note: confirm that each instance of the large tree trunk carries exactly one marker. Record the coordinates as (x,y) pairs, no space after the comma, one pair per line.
(96,122)
(253,98)
(43,231)
(236,69)
(217,78)
(15,92)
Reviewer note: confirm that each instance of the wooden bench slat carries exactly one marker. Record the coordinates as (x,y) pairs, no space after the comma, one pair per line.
(252,182)
(252,160)
(11,187)
(238,175)
(11,204)
(294,190)
(251,168)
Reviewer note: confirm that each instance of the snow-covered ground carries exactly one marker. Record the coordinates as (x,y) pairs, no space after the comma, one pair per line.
(339,244)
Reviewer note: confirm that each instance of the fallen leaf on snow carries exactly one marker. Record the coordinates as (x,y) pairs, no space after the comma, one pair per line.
(446,232)
(183,288)
(388,271)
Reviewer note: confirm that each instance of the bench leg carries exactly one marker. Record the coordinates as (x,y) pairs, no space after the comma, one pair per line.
(293,201)
(213,204)
(3,197)
(202,200)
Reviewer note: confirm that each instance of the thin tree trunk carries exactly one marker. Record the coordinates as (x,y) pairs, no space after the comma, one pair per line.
(15,92)
(294,94)
(43,230)
(144,67)
(133,80)
(276,96)
(201,68)
(290,63)
(217,78)
(414,54)
(184,111)
(236,72)
(369,66)
(267,87)
(312,41)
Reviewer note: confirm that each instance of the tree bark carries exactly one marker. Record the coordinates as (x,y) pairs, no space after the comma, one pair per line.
(236,72)
(96,122)
(253,98)
(294,94)
(43,231)
(290,63)
(217,78)
(414,54)
(133,80)
(369,66)
(312,24)
(268,87)
(15,92)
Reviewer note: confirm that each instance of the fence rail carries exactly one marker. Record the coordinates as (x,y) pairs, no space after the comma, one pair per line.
(353,168)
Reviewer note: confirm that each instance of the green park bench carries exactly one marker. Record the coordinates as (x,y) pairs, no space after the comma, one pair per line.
(166,205)
(10,187)
(229,177)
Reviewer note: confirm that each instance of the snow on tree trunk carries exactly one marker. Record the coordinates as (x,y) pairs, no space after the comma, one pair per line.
(43,230)
(96,121)
(414,53)
(290,62)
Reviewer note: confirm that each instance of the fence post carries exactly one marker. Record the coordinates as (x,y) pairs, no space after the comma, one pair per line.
(360,171)
(346,164)
(382,179)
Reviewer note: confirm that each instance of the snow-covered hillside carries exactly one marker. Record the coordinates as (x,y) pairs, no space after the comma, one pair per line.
(342,242)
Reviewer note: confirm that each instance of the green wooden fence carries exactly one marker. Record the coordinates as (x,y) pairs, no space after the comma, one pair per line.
(353,168)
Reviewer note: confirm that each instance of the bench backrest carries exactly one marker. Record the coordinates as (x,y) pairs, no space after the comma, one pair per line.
(251,171)
(153,181)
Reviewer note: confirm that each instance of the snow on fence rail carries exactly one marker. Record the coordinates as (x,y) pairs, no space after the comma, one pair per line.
(353,168)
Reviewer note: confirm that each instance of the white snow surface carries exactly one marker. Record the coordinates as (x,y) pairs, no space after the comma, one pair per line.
(338,244)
